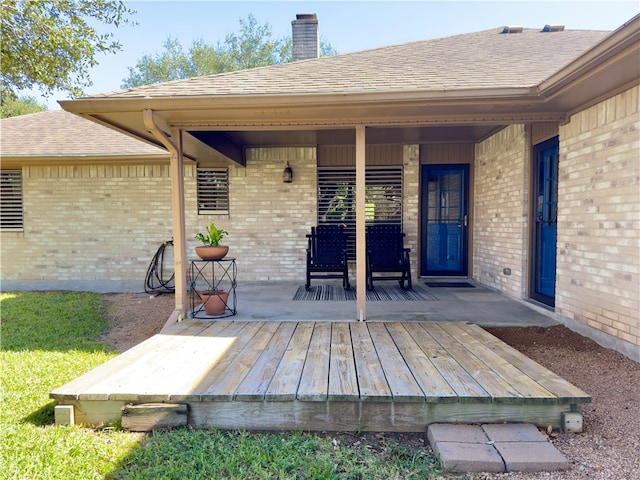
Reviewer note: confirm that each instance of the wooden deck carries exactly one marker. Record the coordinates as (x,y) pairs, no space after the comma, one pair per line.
(344,376)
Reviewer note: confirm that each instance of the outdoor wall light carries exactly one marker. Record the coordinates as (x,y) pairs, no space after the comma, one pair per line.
(287,174)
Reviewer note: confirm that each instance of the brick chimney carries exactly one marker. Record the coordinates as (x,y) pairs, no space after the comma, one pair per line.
(306,43)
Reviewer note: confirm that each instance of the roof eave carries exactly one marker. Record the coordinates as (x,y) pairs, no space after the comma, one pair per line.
(104,105)
(619,50)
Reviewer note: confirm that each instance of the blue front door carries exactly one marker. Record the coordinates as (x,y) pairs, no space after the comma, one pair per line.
(546,218)
(444,211)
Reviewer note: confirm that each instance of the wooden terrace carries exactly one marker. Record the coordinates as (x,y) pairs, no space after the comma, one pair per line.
(324,376)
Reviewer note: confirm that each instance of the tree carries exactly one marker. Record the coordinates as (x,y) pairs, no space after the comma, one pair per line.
(51,44)
(12,107)
(254,46)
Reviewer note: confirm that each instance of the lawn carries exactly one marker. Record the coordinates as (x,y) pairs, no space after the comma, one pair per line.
(50,338)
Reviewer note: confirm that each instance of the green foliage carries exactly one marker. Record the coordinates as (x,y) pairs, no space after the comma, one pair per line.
(254,46)
(13,107)
(51,338)
(212,237)
(186,453)
(53,43)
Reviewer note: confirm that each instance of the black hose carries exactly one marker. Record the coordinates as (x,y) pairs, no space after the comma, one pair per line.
(155,281)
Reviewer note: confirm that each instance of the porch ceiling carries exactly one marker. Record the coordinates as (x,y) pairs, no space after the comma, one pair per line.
(290,137)
(226,126)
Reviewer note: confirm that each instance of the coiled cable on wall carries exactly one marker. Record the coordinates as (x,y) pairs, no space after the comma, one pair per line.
(156,281)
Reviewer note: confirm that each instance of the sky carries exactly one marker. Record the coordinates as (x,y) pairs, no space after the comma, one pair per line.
(349,26)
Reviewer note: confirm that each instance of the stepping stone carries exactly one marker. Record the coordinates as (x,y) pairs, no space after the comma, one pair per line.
(531,457)
(515,447)
(468,457)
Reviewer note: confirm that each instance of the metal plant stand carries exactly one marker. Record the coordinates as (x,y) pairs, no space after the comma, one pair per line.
(212,276)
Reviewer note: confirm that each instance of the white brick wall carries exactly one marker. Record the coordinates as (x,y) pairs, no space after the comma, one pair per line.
(598,270)
(101,222)
(500,210)
(268,219)
(105,222)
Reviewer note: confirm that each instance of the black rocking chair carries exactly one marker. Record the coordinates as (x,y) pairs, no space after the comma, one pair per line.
(327,254)
(386,254)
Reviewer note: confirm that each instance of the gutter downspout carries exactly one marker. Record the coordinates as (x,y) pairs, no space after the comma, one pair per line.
(176,168)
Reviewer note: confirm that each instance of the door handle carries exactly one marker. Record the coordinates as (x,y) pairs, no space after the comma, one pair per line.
(465,220)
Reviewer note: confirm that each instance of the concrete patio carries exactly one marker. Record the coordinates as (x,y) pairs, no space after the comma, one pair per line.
(479,305)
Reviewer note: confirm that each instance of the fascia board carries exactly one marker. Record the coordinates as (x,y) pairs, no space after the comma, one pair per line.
(625,41)
(95,106)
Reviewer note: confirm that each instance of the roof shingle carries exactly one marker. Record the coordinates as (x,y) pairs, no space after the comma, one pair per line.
(486,59)
(63,134)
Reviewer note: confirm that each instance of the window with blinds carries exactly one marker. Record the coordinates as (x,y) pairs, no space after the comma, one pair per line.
(213,190)
(336,198)
(11,217)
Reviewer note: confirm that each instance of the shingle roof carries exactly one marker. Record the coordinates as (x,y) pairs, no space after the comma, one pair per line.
(63,134)
(486,59)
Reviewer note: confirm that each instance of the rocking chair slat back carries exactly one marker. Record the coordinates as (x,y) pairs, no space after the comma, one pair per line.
(386,254)
(327,254)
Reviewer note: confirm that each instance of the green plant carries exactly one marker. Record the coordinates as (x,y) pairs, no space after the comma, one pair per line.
(212,237)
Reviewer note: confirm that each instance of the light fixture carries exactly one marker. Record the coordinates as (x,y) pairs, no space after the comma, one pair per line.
(287,174)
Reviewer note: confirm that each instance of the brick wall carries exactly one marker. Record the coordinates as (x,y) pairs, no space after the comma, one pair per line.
(268,219)
(103,223)
(85,223)
(500,210)
(598,270)
(411,203)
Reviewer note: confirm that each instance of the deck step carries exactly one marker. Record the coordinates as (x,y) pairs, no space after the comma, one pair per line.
(146,417)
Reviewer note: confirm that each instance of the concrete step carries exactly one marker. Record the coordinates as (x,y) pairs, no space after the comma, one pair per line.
(515,447)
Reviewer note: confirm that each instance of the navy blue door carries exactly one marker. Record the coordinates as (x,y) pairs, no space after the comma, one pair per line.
(444,211)
(546,218)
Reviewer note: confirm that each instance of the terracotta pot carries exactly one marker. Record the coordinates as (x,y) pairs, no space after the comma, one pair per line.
(214,302)
(212,253)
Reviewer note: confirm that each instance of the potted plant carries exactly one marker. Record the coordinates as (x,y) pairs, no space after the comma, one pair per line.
(211,248)
(214,301)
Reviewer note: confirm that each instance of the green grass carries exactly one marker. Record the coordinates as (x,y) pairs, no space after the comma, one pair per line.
(50,338)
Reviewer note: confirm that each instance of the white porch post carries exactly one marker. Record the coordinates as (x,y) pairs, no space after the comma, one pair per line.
(176,171)
(179,228)
(361,246)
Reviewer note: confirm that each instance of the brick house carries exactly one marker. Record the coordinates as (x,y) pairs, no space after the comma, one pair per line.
(510,156)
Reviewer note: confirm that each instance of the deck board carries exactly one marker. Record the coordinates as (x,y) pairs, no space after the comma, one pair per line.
(401,381)
(255,384)
(227,383)
(314,383)
(370,374)
(519,381)
(343,384)
(462,382)
(434,386)
(284,386)
(242,334)
(496,386)
(391,376)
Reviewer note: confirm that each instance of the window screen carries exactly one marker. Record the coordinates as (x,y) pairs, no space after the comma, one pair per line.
(11,217)
(336,198)
(213,190)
